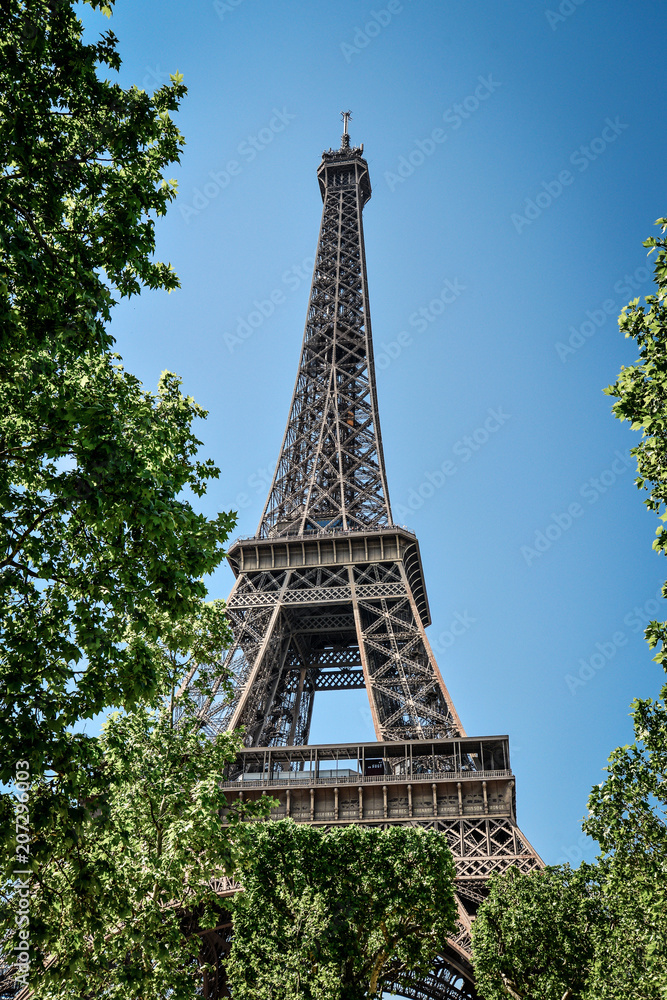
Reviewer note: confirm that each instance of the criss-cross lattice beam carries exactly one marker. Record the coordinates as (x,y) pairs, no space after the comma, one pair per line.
(288,642)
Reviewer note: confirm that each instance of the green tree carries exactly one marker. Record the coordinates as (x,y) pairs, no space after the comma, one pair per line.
(102,554)
(122,883)
(641,394)
(124,892)
(627,817)
(337,915)
(537,933)
(628,811)
(600,932)
(101,590)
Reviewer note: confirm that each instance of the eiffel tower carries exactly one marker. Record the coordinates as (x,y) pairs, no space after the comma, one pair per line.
(330,595)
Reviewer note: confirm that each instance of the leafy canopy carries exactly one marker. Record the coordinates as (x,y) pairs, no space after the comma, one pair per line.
(641,397)
(102,552)
(123,880)
(537,933)
(600,932)
(337,915)
(82,163)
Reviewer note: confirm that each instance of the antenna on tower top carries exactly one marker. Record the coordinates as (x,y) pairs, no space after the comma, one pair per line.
(345,138)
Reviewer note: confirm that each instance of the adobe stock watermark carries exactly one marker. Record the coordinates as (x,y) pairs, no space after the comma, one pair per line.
(626,287)
(463,450)
(581,158)
(21,871)
(420,320)
(592,490)
(377,21)
(265,307)
(259,482)
(565,9)
(247,151)
(576,853)
(222,7)
(454,117)
(459,625)
(155,77)
(636,621)
(366,717)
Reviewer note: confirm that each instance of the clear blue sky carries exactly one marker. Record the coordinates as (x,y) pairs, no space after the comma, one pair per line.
(535,258)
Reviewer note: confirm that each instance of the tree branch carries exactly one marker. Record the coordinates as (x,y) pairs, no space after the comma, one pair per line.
(9,559)
(512,992)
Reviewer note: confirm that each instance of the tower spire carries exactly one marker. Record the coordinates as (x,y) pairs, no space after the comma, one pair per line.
(330,473)
(330,593)
(345,138)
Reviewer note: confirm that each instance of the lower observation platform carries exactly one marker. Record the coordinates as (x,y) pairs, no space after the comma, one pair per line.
(462,787)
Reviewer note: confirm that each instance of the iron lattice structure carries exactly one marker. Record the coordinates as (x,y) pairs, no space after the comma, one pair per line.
(330,594)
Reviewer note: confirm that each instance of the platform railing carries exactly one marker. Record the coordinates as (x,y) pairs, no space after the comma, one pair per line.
(325,533)
(297,778)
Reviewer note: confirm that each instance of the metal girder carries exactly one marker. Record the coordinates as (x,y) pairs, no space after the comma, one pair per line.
(449,980)
(340,680)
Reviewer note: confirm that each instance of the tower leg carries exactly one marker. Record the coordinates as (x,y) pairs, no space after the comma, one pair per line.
(408,696)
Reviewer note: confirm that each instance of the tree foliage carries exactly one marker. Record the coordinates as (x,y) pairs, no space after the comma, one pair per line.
(628,818)
(337,915)
(537,933)
(82,164)
(601,933)
(121,887)
(641,394)
(101,589)
(122,872)
(102,552)
(628,812)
